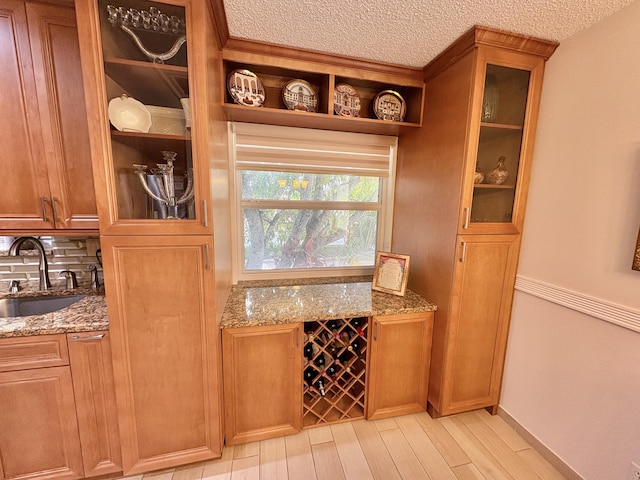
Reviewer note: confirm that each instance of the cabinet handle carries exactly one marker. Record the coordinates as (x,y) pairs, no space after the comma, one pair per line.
(467,215)
(463,253)
(206,213)
(77,338)
(298,335)
(375,331)
(207,265)
(43,201)
(53,208)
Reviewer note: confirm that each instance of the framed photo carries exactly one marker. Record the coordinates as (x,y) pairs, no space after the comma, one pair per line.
(391,273)
(636,257)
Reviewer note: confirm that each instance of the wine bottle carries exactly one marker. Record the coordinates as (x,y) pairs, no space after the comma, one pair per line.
(333,325)
(309,374)
(355,347)
(320,361)
(332,370)
(308,351)
(358,324)
(343,361)
(320,386)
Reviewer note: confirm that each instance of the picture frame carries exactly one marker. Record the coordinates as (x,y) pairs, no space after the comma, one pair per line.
(391,273)
(636,257)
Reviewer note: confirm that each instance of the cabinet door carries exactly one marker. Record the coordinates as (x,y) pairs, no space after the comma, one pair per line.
(479,322)
(24,176)
(38,428)
(165,344)
(503,123)
(399,364)
(262,382)
(95,395)
(58,75)
(143,112)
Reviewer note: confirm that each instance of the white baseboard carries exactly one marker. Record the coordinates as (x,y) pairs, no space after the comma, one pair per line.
(539,447)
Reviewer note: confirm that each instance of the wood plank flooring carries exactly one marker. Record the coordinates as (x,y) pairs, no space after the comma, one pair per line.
(468,446)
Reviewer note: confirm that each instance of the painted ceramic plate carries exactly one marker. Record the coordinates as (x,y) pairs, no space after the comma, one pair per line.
(129,115)
(389,105)
(300,95)
(346,101)
(246,88)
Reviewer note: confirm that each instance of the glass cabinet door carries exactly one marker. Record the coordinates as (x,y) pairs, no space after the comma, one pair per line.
(499,154)
(144,46)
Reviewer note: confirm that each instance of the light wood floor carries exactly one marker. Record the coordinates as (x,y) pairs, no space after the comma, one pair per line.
(468,446)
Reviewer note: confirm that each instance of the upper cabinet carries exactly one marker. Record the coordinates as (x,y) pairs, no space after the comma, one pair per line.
(292,87)
(502,128)
(147,113)
(47,179)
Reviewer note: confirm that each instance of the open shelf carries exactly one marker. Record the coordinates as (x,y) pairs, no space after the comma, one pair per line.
(335,370)
(274,111)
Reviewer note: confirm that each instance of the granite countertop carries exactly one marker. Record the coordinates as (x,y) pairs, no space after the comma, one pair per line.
(86,315)
(267,303)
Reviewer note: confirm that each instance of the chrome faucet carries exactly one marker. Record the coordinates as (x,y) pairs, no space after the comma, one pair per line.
(43,266)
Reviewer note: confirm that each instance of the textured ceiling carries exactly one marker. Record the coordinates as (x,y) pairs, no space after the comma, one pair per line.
(404,32)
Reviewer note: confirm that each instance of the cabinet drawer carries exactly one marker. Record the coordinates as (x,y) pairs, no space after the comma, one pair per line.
(21,353)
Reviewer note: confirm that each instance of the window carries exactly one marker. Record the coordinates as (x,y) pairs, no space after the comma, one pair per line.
(310,202)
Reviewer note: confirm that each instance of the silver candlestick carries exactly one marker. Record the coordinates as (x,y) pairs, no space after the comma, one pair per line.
(163,184)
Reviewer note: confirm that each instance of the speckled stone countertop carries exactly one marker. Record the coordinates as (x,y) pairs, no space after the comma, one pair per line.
(86,315)
(270,303)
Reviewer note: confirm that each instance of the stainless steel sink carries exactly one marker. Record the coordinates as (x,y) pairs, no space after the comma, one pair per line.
(26,306)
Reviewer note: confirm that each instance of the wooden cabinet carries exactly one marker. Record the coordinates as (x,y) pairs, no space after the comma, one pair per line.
(164,344)
(473,359)
(93,387)
(373,368)
(38,427)
(176,198)
(275,68)
(463,234)
(45,158)
(399,358)
(262,382)
(164,298)
(58,417)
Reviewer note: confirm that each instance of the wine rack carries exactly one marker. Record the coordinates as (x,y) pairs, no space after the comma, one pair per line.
(335,356)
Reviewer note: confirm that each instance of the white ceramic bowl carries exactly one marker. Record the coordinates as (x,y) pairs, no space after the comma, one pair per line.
(129,115)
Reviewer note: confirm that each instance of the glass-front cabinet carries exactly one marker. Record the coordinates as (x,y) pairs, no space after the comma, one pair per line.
(495,171)
(151,171)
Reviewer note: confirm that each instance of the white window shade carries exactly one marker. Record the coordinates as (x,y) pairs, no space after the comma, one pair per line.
(268,147)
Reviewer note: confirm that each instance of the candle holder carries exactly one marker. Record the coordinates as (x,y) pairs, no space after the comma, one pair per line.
(152,20)
(160,184)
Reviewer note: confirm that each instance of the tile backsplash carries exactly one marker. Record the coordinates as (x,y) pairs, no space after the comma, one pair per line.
(63,253)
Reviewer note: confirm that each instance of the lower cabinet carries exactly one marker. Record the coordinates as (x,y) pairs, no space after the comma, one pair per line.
(165,344)
(90,358)
(38,427)
(262,382)
(57,415)
(470,337)
(354,368)
(398,374)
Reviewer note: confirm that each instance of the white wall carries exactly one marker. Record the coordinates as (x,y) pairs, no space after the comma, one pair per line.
(573,380)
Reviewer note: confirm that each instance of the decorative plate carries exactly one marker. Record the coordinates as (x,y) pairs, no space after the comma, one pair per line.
(246,88)
(300,95)
(129,115)
(389,105)
(346,101)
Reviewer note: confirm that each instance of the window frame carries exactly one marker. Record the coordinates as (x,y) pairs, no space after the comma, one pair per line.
(383,207)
